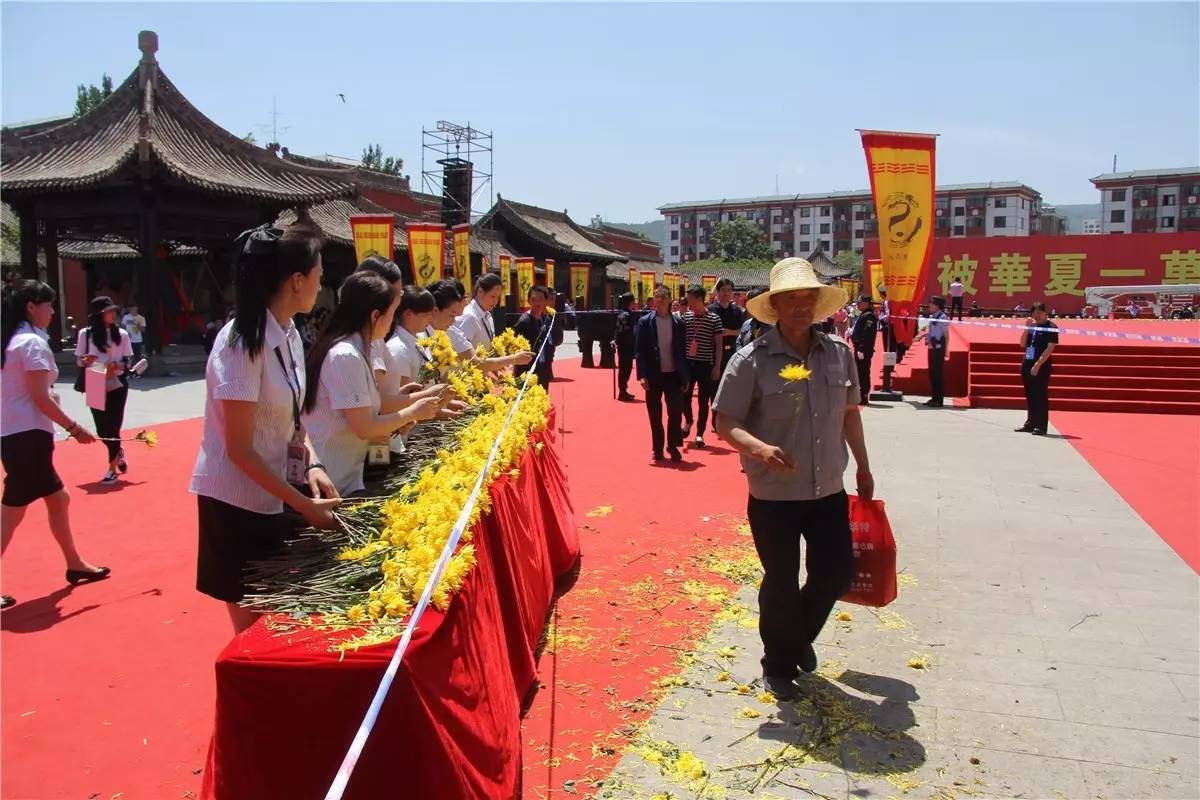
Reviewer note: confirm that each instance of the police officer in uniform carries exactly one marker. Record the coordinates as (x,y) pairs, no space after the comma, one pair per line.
(937,337)
(623,343)
(862,335)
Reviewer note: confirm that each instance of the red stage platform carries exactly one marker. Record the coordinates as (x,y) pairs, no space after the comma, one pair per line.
(1090,373)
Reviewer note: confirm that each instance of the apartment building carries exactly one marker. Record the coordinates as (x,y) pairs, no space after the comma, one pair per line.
(1150,200)
(836,221)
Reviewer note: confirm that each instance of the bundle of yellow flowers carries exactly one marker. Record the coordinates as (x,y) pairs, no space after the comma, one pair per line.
(509,342)
(395,542)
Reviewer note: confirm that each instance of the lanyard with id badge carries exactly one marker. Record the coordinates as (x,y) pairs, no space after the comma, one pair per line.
(379,454)
(1030,352)
(297,453)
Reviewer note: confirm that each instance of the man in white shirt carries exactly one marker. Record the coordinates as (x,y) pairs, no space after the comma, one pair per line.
(134,324)
(476,323)
(956,298)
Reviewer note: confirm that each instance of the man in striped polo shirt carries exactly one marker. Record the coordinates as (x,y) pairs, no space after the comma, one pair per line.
(704,329)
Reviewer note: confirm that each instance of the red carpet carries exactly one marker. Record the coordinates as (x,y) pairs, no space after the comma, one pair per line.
(108,689)
(1152,462)
(627,621)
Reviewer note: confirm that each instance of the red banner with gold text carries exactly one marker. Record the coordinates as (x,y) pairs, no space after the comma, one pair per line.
(1000,272)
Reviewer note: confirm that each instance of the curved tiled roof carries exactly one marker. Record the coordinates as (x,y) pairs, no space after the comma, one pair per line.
(332,218)
(114,249)
(147,121)
(554,228)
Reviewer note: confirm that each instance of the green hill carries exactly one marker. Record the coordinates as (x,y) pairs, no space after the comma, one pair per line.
(655,231)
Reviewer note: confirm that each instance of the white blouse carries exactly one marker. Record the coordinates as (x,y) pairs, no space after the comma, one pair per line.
(476,325)
(27,351)
(112,354)
(383,359)
(346,382)
(232,375)
(410,357)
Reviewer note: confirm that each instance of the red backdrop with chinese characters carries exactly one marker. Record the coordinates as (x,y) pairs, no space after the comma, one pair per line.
(1002,271)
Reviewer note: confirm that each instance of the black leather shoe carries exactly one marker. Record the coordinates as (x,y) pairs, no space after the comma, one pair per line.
(626,397)
(808,659)
(782,688)
(1023,429)
(78,576)
(674,453)
(1038,431)
(659,456)
(7,600)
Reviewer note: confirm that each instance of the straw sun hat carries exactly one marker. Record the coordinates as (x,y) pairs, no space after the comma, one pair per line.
(792,274)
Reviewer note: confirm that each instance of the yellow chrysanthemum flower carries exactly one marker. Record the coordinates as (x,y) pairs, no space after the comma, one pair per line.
(795,372)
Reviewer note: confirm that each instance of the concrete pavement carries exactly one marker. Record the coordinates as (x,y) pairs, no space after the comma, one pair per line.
(1044,645)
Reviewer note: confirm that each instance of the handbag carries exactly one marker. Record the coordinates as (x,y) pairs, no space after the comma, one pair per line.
(874,581)
(79,385)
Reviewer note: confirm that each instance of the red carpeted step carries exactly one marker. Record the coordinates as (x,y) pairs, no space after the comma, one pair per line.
(1097,359)
(1067,380)
(1092,393)
(1133,370)
(1112,406)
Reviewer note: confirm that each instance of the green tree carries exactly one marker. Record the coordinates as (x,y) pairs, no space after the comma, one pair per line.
(87,98)
(848,259)
(740,240)
(372,158)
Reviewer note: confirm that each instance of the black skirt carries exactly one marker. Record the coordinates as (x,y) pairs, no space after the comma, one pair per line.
(29,474)
(232,537)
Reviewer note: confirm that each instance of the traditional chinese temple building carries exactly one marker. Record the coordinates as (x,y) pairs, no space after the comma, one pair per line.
(544,234)
(147,171)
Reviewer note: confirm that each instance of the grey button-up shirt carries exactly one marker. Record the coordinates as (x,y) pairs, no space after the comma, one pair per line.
(803,418)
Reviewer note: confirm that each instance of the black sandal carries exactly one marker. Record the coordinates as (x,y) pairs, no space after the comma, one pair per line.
(78,576)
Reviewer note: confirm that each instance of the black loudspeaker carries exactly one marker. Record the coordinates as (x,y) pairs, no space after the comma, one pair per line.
(456,191)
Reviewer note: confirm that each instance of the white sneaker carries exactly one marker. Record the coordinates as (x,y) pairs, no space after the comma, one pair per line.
(109,478)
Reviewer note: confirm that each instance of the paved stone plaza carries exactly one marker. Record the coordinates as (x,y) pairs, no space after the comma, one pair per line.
(1044,645)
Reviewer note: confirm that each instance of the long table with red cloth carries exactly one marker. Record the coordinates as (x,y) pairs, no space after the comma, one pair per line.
(288,707)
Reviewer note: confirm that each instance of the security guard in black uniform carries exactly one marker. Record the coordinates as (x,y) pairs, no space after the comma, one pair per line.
(623,343)
(862,336)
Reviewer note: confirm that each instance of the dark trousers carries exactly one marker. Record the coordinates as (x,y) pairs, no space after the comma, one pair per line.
(108,422)
(727,352)
(624,369)
(665,387)
(137,351)
(956,305)
(864,372)
(700,375)
(937,367)
(790,615)
(1037,395)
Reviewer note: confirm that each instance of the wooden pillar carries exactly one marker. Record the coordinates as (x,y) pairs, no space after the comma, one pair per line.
(53,278)
(29,242)
(146,290)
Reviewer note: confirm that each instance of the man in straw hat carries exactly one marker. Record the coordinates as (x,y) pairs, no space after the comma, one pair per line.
(788,403)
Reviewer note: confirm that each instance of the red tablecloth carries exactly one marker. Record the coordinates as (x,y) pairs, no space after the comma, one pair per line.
(287,707)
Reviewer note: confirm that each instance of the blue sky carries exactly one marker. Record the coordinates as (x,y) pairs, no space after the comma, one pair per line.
(616,109)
